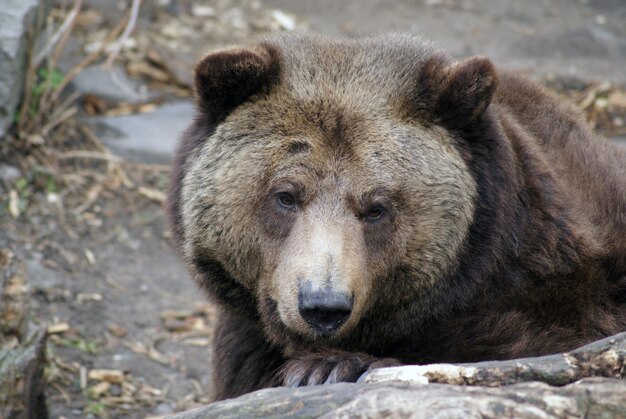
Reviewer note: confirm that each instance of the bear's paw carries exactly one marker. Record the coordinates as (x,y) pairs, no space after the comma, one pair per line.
(330,367)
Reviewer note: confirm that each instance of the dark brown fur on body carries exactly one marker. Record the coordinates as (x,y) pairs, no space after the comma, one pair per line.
(502,234)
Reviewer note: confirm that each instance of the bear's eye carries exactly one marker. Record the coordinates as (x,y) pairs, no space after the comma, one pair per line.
(374,214)
(286,200)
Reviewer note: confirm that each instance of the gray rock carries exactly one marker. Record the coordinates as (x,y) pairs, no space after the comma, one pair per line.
(41,277)
(97,80)
(621,140)
(586,398)
(9,173)
(148,137)
(587,382)
(16,16)
(163,409)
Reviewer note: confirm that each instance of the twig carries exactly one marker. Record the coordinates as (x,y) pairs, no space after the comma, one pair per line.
(54,122)
(123,86)
(117,46)
(85,154)
(152,194)
(115,284)
(64,29)
(78,5)
(41,154)
(198,388)
(89,134)
(91,58)
(64,394)
(77,178)
(172,296)
(111,167)
(28,84)
(45,102)
(92,195)
(63,106)
(155,167)
(60,210)
(592,95)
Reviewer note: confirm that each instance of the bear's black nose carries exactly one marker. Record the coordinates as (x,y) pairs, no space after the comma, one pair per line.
(324,310)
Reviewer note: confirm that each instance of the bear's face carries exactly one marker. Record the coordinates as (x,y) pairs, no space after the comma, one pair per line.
(314,192)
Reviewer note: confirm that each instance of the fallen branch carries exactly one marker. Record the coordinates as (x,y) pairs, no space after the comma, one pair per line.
(117,47)
(604,358)
(130,26)
(60,34)
(86,154)
(21,378)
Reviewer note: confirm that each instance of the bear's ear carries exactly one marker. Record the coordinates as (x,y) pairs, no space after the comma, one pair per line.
(460,92)
(225,79)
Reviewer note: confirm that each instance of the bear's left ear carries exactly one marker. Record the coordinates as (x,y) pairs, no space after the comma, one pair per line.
(225,79)
(462,91)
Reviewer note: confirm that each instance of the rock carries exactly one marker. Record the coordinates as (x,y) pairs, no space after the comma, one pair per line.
(9,173)
(16,18)
(98,81)
(587,382)
(163,409)
(587,398)
(147,137)
(41,277)
(621,140)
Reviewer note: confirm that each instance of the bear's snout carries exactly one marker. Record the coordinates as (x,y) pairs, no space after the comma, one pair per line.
(325,310)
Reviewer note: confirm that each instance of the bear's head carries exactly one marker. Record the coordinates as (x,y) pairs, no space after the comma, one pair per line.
(328,177)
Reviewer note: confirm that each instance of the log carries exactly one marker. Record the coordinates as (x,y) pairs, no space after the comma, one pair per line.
(587,382)
(22,381)
(604,358)
(22,346)
(591,397)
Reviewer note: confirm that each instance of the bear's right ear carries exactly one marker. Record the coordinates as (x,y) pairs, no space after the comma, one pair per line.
(225,79)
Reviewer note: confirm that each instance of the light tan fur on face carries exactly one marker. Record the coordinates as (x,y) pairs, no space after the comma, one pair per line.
(327,252)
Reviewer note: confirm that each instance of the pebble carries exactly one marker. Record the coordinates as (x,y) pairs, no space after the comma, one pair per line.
(8,172)
(163,409)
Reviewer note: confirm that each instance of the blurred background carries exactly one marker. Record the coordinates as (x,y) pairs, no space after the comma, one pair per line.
(98,317)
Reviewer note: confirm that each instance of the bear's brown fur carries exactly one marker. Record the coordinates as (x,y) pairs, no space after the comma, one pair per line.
(440,211)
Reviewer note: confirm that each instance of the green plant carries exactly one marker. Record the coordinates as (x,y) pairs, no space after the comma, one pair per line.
(96,408)
(87,346)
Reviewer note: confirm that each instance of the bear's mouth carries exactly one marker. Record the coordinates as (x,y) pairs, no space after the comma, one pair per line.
(315,326)
(325,322)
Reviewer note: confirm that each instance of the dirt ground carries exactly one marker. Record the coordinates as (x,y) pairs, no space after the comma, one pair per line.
(100,272)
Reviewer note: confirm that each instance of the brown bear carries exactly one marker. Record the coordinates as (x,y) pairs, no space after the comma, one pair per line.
(357,203)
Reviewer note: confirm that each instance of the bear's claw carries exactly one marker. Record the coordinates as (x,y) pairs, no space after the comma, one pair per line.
(330,367)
